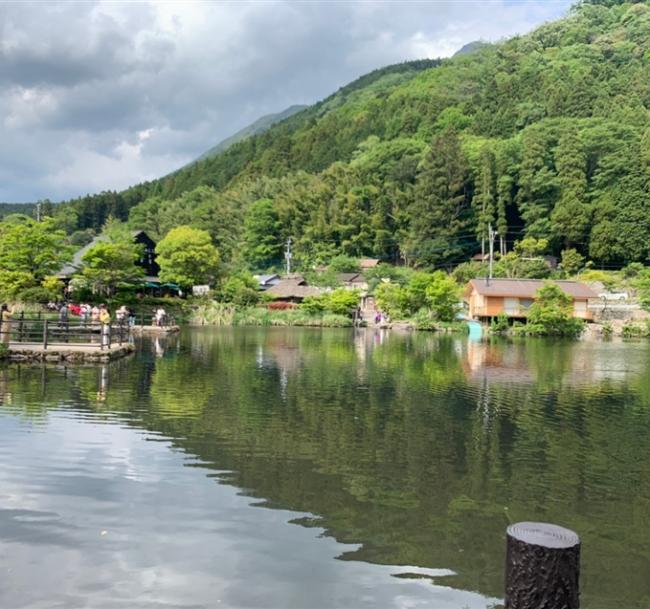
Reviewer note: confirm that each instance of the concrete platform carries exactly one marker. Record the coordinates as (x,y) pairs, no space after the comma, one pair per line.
(154,330)
(27,352)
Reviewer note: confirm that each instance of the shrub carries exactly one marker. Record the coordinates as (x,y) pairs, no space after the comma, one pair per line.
(280,306)
(607,330)
(500,325)
(4,351)
(634,269)
(35,295)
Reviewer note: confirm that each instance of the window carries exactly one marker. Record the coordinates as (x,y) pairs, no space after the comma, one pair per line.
(511,306)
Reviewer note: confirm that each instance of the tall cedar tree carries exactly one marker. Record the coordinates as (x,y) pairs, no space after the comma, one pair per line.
(441,213)
(485,195)
(571,213)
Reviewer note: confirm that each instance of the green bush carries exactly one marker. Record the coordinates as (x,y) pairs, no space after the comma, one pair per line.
(607,330)
(38,295)
(500,324)
(4,351)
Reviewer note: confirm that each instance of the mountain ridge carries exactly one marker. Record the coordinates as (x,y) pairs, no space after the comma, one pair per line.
(544,135)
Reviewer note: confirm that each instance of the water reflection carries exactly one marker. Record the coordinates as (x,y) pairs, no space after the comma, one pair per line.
(388,450)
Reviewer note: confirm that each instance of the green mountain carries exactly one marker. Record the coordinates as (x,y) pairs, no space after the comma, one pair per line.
(259,126)
(545,135)
(471,47)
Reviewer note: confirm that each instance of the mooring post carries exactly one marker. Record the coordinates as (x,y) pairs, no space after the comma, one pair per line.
(45,334)
(542,567)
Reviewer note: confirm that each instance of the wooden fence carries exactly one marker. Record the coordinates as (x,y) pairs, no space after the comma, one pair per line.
(39,330)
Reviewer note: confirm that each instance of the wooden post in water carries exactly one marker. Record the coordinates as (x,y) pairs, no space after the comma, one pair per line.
(542,567)
(45,334)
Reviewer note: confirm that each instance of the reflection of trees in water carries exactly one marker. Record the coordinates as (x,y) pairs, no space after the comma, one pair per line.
(418,458)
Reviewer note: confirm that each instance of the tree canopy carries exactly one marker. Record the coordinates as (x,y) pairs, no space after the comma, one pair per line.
(187,257)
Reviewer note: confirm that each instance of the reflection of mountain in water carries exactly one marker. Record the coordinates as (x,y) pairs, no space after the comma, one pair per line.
(410,446)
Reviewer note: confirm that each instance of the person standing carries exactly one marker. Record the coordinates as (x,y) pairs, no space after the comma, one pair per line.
(63,314)
(105,320)
(5,324)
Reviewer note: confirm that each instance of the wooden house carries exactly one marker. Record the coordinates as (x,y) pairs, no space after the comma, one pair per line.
(488,298)
(147,261)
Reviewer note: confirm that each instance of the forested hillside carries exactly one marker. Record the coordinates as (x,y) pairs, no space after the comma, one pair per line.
(262,124)
(545,135)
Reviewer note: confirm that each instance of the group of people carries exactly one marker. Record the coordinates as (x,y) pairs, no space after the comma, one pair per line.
(101,314)
(88,314)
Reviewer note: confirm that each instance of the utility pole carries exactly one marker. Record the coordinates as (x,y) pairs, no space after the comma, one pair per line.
(38,211)
(288,255)
(492,234)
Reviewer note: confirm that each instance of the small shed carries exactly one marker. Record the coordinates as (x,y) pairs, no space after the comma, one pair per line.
(488,298)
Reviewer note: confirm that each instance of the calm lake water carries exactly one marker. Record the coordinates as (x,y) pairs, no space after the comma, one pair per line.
(300,468)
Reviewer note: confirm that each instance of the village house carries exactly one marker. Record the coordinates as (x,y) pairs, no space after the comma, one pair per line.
(147,261)
(292,289)
(353,281)
(489,298)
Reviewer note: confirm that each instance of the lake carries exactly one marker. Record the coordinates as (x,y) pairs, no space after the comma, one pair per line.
(327,469)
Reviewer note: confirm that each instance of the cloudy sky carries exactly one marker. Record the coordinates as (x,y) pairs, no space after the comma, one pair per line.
(102,95)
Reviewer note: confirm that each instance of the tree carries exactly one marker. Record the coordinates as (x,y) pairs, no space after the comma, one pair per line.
(240,289)
(442,296)
(262,235)
(572,262)
(571,213)
(440,213)
(485,195)
(31,247)
(642,285)
(187,257)
(111,264)
(552,313)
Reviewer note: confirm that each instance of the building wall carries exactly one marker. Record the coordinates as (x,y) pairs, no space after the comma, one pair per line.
(492,306)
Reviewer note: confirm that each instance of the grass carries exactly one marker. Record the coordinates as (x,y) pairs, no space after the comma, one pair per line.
(220,314)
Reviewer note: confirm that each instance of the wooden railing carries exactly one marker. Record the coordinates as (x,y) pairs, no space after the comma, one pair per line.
(48,332)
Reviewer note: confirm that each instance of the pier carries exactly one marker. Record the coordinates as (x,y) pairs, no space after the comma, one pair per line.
(45,340)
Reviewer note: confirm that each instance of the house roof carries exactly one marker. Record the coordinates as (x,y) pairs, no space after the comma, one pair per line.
(350,277)
(293,288)
(368,263)
(73,266)
(262,279)
(527,288)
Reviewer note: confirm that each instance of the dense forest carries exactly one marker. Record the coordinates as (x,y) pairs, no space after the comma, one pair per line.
(545,135)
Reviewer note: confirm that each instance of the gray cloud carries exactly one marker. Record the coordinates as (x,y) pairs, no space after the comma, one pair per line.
(100,95)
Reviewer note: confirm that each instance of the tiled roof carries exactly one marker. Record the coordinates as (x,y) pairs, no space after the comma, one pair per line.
(527,288)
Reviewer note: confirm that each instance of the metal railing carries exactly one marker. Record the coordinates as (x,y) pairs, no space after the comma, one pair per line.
(48,332)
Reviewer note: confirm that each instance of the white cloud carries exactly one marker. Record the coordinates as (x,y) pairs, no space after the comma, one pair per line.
(80,82)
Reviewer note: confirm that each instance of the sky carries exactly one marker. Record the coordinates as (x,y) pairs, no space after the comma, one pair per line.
(102,95)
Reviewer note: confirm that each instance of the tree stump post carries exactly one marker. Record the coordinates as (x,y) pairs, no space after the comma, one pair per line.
(542,567)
